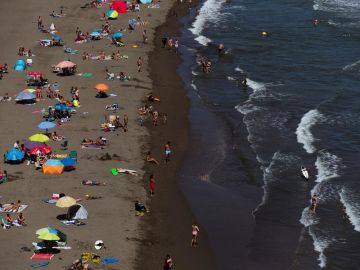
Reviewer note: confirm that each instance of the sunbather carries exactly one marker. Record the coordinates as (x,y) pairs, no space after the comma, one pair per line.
(20,219)
(92,183)
(127,171)
(151,159)
(9,219)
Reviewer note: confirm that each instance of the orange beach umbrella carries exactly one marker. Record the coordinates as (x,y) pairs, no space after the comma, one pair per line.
(101,87)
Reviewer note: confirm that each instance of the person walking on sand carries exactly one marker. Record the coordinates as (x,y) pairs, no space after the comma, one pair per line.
(126,121)
(39,22)
(167,152)
(139,63)
(152,185)
(194,234)
(145,38)
(167,263)
(176,46)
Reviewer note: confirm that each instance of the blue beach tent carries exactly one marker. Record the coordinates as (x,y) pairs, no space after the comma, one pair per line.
(20,65)
(14,155)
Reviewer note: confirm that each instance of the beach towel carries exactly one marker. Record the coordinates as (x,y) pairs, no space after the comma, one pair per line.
(21,208)
(92,146)
(39,264)
(72,222)
(109,260)
(42,256)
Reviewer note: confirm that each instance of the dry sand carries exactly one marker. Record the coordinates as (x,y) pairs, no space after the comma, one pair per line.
(112,218)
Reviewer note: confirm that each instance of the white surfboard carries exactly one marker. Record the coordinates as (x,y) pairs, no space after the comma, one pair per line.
(304,173)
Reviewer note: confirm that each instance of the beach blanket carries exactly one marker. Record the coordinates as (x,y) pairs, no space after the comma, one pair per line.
(42,256)
(21,208)
(109,260)
(92,146)
(39,264)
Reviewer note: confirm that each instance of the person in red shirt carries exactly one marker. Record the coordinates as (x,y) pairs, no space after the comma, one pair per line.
(152,185)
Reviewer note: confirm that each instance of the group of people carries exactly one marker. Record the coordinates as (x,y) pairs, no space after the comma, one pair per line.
(314,204)
(9,221)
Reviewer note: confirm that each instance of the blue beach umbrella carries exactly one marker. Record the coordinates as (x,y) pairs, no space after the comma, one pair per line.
(57,38)
(46,125)
(117,35)
(60,107)
(25,96)
(145,2)
(67,162)
(14,154)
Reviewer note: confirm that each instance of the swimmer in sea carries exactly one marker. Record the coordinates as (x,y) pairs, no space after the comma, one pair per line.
(316,22)
(244,83)
(220,48)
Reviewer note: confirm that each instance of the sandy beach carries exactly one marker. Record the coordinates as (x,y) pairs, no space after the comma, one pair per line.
(112,218)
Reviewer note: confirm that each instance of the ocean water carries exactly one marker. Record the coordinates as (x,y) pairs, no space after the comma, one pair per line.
(301,107)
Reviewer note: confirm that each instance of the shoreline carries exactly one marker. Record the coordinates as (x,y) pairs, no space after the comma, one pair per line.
(167,229)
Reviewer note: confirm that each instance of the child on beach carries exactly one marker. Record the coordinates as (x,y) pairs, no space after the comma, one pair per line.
(167,152)
(194,234)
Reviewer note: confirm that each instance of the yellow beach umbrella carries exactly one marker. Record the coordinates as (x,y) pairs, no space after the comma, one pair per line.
(29,90)
(39,138)
(65,202)
(49,236)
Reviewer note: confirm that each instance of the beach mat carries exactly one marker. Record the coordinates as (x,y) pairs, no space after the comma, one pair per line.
(39,264)
(21,208)
(42,256)
(109,260)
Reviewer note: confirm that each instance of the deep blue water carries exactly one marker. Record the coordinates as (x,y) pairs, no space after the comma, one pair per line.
(301,108)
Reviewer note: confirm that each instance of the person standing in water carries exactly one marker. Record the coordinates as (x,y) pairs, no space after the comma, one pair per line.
(167,152)
(167,263)
(152,185)
(314,202)
(194,234)
(344,214)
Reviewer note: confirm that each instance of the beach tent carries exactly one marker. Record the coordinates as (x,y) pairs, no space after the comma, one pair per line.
(20,65)
(132,24)
(112,14)
(77,211)
(25,97)
(119,6)
(14,155)
(145,2)
(53,166)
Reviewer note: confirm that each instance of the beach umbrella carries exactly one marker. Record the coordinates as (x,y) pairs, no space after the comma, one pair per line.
(145,2)
(46,125)
(117,35)
(65,64)
(77,211)
(68,162)
(29,90)
(119,6)
(30,144)
(61,106)
(25,96)
(46,230)
(56,37)
(14,154)
(65,202)
(95,34)
(49,237)
(53,166)
(39,138)
(112,14)
(44,149)
(101,87)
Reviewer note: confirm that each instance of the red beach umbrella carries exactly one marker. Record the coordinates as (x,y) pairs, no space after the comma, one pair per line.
(44,149)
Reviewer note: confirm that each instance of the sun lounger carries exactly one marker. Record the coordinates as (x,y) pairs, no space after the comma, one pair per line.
(21,208)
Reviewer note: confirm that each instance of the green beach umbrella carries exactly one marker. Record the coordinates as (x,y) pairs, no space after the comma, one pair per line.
(49,237)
